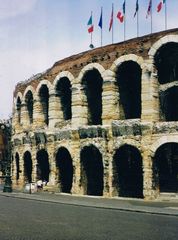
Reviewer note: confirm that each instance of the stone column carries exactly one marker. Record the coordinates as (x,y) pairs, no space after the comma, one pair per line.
(149,191)
(110,99)
(38,115)
(21,173)
(15,121)
(150,97)
(34,166)
(55,111)
(79,106)
(76,184)
(25,121)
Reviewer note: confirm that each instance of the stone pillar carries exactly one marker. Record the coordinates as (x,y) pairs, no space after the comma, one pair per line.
(106,176)
(16,125)
(21,173)
(38,115)
(149,191)
(76,184)
(25,121)
(79,107)
(52,174)
(150,97)
(34,166)
(55,111)
(110,99)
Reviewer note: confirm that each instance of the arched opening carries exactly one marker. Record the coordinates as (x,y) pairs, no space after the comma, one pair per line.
(44,98)
(27,167)
(91,171)
(92,84)
(65,169)
(166,167)
(128,175)
(18,107)
(64,92)
(43,166)
(129,85)
(29,103)
(17,161)
(166,62)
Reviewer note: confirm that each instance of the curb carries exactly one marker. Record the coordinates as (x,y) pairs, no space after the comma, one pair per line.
(165,211)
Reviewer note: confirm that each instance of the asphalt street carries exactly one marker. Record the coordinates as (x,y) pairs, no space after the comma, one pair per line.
(25,219)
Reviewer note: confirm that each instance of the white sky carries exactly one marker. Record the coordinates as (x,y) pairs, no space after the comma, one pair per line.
(34,34)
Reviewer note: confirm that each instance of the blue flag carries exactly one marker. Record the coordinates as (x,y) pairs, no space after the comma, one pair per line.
(100,24)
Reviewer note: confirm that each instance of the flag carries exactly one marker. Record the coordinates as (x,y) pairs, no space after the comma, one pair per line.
(100,24)
(120,16)
(160,5)
(111,20)
(136,8)
(149,8)
(123,7)
(90,25)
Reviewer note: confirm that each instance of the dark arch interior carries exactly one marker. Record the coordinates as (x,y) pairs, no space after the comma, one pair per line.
(169,104)
(43,166)
(17,166)
(166,167)
(128,172)
(92,174)
(64,92)
(166,61)
(129,83)
(18,106)
(28,166)
(92,83)
(65,167)
(29,102)
(44,97)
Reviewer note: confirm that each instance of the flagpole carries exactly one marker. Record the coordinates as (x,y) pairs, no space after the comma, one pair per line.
(91,32)
(151,18)
(113,23)
(165,15)
(102,28)
(125,21)
(137,23)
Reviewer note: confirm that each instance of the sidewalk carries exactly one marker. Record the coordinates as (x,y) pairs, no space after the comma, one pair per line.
(164,207)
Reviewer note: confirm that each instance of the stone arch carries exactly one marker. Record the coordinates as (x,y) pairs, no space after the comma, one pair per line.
(92,92)
(165,167)
(63,74)
(44,82)
(128,71)
(18,107)
(43,93)
(125,58)
(160,42)
(29,88)
(29,100)
(63,91)
(27,166)
(91,170)
(164,57)
(127,171)
(65,169)
(161,141)
(43,168)
(89,67)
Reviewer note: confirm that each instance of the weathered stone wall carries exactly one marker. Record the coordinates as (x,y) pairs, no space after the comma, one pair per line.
(146,134)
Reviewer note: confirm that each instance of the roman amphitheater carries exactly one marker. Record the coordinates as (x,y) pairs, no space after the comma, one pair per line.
(103,122)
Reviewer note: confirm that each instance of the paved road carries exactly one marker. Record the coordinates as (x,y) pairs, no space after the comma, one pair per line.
(23,219)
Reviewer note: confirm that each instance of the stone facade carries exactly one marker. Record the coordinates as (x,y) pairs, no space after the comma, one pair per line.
(103,122)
